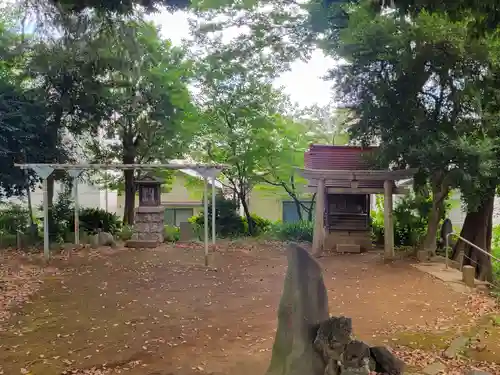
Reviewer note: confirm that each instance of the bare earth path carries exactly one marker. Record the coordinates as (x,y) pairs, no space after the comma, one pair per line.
(159,312)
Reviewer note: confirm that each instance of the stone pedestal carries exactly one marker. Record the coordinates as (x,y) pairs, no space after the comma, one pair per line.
(148,227)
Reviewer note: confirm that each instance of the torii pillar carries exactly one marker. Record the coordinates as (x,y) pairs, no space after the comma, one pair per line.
(319,220)
(388,221)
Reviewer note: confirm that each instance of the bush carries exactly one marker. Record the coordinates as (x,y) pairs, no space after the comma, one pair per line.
(62,220)
(410,220)
(171,233)
(125,233)
(260,224)
(92,219)
(228,222)
(8,240)
(59,217)
(14,218)
(495,251)
(296,231)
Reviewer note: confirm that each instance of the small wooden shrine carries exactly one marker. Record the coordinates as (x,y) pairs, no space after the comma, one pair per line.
(344,182)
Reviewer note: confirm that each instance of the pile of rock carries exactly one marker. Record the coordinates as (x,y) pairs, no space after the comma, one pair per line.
(310,342)
(342,355)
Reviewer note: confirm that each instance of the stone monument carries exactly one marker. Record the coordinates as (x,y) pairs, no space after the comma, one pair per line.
(311,342)
(149,216)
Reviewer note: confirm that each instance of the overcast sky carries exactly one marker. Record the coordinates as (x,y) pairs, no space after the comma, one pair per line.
(303,83)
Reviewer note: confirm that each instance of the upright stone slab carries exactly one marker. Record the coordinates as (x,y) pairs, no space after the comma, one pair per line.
(468,275)
(186,233)
(303,305)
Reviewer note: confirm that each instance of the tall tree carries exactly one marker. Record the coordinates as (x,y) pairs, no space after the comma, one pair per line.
(27,131)
(413,85)
(325,124)
(149,114)
(238,123)
(278,168)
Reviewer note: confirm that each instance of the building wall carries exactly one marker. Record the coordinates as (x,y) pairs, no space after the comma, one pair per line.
(268,202)
(457,212)
(89,196)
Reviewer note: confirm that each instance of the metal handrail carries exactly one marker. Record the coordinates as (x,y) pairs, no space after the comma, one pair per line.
(467,242)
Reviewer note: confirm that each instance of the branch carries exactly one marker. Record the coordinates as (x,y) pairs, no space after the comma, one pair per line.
(270,182)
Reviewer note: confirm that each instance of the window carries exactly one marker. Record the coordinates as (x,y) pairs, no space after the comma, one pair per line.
(290,213)
(176,216)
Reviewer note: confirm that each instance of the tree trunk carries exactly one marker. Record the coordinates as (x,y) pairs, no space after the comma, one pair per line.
(298,207)
(128,176)
(246,210)
(439,194)
(310,209)
(477,229)
(128,212)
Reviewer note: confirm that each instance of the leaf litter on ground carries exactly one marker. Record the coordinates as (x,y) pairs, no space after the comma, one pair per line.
(19,279)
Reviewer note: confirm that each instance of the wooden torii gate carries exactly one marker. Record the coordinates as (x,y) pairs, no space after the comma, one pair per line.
(326,182)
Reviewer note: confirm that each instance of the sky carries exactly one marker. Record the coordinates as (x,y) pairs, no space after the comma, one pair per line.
(303,83)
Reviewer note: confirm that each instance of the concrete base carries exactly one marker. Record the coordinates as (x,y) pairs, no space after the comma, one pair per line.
(360,238)
(450,276)
(145,244)
(423,256)
(348,248)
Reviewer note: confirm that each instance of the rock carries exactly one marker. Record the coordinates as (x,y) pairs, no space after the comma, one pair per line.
(103,239)
(478,372)
(434,369)
(303,305)
(355,360)
(386,362)
(456,346)
(332,337)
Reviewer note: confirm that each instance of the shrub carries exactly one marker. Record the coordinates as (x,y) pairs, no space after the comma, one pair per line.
(171,233)
(228,222)
(62,220)
(495,250)
(260,224)
(410,220)
(59,216)
(125,233)
(92,219)
(8,240)
(295,231)
(377,222)
(14,218)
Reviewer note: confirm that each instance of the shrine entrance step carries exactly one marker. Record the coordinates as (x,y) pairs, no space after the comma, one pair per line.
(348,248)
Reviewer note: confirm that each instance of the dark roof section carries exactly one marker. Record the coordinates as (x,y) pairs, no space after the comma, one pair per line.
(329,157)
(337,157)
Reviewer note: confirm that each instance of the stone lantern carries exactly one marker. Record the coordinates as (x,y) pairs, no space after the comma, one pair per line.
(149,216)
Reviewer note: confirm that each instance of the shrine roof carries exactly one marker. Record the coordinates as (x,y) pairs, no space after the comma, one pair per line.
(340,165)
(329,157)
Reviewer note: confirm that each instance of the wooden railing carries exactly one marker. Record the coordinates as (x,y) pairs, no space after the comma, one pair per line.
(348,221)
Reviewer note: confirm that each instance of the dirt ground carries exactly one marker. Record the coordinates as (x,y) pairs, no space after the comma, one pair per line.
(160,312)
